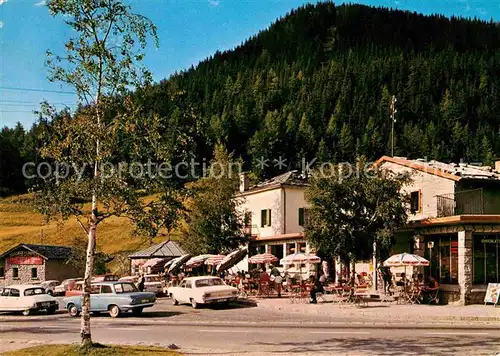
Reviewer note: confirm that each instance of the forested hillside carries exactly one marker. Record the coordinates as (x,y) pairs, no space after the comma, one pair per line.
(318,82)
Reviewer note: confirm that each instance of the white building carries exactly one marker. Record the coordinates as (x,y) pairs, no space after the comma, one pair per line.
(276,212)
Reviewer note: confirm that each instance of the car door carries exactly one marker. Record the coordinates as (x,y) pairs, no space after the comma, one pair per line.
(181,292)
(13,300)
(4,296)
(101,299)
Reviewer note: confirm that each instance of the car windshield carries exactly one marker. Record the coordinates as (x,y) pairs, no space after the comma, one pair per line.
(209,282)
(33,291)
(125,288)
(152,279)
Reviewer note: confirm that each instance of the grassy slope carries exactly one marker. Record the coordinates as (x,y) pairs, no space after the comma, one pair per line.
(70,350)
(20,224)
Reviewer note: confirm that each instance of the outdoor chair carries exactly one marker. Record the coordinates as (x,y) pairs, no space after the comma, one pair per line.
(433,297)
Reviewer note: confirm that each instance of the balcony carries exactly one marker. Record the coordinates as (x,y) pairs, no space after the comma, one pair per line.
(470,202)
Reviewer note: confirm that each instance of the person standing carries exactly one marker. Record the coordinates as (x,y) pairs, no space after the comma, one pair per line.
(140,285)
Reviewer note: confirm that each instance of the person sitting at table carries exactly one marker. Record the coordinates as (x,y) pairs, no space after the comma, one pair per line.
(263,279)
(430,289)
(317,287)
(403,281)
(420,279)
(322,277)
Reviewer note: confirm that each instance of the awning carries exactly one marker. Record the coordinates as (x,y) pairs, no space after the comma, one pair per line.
(153,262)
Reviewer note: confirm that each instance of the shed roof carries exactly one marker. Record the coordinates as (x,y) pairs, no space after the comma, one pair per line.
(164,249)
(49,252)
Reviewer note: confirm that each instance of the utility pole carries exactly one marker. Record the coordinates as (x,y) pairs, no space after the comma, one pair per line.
(393,120)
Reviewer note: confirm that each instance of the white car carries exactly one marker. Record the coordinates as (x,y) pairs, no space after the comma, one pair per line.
(27,298)
(49,286)
(202,290)
(152,283)
(65,285)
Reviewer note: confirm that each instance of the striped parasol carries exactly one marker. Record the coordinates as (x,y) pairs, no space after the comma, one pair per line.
(405,259)
(178,262)
(232,259)
(197,261)
(214,260)
(263,258)
(300,258)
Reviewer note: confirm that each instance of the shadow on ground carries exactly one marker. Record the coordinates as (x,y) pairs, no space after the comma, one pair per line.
(381,346)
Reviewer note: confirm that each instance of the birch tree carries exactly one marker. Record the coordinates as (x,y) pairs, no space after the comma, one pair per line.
(102,63)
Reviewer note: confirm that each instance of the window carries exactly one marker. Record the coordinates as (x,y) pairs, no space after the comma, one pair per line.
(125,288)
(5,292)
(2,272)
(183,284)
(442,252)
(14,293)
(106,290)
(303,216)
(486,258)
(34,273)
(265,217)
(208,282)
(415,201)
(188,284)
(15,272)
(34,291)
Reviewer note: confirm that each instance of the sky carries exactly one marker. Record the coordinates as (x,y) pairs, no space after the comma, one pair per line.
(189,31)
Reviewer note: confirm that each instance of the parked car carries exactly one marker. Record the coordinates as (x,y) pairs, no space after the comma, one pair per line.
(27,298)
(105,278)
(202,290)
(131,279)
(113,297)
(49,286)
(169,286)
(65,285)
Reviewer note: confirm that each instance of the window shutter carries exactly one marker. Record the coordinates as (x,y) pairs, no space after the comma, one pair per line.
(263,218)
(268,217)
(420,201)
(301,216)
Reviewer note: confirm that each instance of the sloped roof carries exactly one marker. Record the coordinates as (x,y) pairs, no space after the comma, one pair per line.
(49,252)
(453,171)
(293,178)
(164,249)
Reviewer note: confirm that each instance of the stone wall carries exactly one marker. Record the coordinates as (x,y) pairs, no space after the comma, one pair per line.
(465,265)
(24,275)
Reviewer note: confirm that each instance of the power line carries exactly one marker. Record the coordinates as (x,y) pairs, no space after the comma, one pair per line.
(10,111)
(29,102)
(39,90)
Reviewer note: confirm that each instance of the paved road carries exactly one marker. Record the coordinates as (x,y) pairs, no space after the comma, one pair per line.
(237,329)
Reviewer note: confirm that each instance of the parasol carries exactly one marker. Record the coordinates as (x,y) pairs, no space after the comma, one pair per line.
(263,258)
(178,262)
(232,259)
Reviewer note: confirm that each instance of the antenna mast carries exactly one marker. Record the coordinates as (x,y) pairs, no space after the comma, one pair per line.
(393,120)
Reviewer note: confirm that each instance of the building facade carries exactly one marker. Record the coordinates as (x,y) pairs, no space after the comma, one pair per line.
(455,224)
(276,212)
(27,263)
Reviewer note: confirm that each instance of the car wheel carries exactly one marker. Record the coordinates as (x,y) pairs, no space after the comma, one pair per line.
(137,311)
(194,304)
(51,310)
(174,301)
(26,312)
(73,310)
(114,311)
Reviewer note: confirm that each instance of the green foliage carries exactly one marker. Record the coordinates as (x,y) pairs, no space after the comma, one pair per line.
(327,72)
(214,224)
(351,207)
(78,256)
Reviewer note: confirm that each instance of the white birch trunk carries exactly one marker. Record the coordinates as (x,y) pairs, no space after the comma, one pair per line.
(89,266)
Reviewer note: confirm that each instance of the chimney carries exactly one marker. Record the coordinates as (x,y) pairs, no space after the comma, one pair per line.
(497,166)
(244,182)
